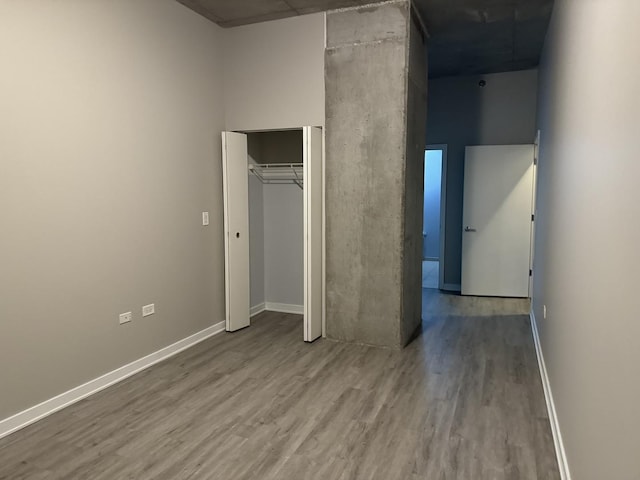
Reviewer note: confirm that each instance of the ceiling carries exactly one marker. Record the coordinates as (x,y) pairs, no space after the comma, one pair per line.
(467,36)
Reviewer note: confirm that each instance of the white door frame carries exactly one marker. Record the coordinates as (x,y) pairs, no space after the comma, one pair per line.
(312,140)
(534,210)
(443,207)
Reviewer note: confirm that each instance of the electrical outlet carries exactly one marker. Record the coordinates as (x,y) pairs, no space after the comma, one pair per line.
(125,317)
(205,218)
(544,311)
(148,310)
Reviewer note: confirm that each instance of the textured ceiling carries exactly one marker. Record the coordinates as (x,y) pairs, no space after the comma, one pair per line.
(484,36)
(467,36)
(231,13)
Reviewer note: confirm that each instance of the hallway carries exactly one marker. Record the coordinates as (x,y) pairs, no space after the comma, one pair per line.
(430,273)
(462,401)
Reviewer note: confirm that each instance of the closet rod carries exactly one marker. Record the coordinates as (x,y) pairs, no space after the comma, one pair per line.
(278,173)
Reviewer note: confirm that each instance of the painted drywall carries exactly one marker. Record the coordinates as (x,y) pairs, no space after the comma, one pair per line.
(461,113)
(108,156)
(283,146)
(588,201)
(431,213)
(274,74)
(283,244)
(256,241)
(256,226)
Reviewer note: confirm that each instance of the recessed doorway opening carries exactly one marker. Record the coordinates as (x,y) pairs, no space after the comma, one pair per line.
(433,244)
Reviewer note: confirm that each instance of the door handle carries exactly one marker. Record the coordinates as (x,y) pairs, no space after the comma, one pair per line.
(469,229)
(237,234)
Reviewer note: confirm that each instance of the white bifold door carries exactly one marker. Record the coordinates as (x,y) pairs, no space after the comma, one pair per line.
(497,220)
(313,237)
(236,223)
(235,189)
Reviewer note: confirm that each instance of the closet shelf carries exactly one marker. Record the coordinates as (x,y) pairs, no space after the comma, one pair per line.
(279,173)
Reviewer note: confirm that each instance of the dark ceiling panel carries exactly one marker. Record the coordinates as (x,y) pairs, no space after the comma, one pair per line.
(484,36)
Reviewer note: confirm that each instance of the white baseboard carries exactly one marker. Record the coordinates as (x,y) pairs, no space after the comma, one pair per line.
(37,412)
(256,309)
(561,455)
(284,308)
(451,287)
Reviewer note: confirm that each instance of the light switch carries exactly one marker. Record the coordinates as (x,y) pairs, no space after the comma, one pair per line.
(205,218)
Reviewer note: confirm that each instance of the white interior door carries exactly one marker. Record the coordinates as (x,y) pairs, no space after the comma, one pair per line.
(496,220)
(236,229)
(312,158)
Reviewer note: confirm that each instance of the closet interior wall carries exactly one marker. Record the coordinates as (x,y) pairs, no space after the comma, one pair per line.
(276,230)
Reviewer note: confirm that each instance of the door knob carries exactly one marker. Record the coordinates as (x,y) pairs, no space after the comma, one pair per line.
(237,234)
(469,229)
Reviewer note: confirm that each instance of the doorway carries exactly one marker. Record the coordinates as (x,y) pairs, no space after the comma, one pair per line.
(434,198)
(497,218)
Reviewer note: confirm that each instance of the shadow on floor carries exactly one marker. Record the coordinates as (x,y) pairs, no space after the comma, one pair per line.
(438,303)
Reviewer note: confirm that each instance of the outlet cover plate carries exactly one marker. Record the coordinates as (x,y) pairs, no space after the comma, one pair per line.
(125,317)
(148,309)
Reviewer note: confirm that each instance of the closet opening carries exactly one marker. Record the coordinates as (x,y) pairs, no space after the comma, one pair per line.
(273,225)
(276,188)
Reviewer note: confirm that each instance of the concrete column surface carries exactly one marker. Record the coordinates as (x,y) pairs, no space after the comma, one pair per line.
(367,87)
(416,123)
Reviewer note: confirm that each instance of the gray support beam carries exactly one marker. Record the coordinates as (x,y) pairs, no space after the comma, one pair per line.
(373,294)
(416,123)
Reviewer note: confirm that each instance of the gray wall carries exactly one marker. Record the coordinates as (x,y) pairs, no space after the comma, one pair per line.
(256,240)
(283,146)
(283,244)
(112,144)
(109,152)
(368,230)
(587,233)
(274,74)
(460,113)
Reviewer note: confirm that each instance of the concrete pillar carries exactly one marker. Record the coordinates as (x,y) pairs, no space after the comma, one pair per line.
(414,182)
(375,130)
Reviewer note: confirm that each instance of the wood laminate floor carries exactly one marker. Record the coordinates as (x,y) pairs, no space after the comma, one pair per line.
(463,401)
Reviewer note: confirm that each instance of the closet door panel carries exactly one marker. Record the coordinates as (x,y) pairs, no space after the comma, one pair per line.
(236,229)
(313,237)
